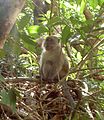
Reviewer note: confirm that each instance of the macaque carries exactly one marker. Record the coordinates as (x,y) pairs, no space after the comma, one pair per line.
(53,63)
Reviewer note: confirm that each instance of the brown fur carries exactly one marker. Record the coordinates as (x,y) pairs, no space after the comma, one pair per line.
(53,63)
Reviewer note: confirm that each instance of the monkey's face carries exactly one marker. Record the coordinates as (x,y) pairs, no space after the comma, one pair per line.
(51,43)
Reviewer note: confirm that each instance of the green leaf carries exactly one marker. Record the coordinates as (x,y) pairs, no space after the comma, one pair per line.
(28,43)
(9,98)
(102,85)
(4,97)
(99,115)
(78,2)
(12,98)
(1,78)
(42,29)
(54,21)
(100,2)
(82,33)
(74,20)
(66,34)
(2,53)
(93,3)
(86,26)
(16,49)
(101,36)
(83,3)
(24,21)
(33,30)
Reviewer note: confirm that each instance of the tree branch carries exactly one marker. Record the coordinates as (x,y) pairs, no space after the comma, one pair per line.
(10,9)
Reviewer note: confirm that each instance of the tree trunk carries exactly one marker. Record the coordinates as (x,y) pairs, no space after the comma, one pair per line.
(9,9)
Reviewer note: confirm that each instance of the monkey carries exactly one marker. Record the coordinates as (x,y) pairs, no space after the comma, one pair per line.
(53,63)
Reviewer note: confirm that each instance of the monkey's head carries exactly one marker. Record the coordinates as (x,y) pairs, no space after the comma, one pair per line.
(51,43)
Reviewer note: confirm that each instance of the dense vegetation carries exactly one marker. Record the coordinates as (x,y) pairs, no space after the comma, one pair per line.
(79,24)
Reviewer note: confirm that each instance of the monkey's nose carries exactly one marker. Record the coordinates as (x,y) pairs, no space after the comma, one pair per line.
(48,48)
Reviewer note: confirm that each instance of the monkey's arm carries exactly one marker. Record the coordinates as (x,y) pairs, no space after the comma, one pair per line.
(41,62)
(65,68)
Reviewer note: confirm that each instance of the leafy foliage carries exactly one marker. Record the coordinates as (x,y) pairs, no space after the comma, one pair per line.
(80,26)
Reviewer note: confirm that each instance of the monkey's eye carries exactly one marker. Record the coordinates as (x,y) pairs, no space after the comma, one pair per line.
(49,39)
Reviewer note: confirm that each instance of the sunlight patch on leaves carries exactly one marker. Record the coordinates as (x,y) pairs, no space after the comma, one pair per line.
(83,4)
(36,29)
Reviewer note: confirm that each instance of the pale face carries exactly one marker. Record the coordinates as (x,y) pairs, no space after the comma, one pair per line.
(51,43)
